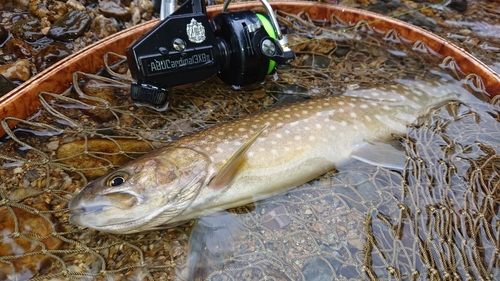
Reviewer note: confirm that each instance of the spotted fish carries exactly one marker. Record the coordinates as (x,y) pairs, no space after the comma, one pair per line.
(239,162)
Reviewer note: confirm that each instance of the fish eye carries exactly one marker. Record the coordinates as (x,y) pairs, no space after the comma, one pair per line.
(117,179)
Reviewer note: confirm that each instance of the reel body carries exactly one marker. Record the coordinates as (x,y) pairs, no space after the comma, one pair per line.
(241,47)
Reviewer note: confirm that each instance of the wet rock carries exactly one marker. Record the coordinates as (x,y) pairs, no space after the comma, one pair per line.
(75,5)
(26,262)
(146,6)
(19,70)
(4,35)
(19,48)
(10,5)
(70,26)
(93,167)
(379,7)
(50,54)
(49,9)
(104,27)
(28,29)
(113,9)
(5,85)
(419,19)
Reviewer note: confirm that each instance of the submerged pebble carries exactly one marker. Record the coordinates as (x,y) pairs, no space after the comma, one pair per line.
(72,154)
(50,54)
(105,94)
(27,264)
(70,26)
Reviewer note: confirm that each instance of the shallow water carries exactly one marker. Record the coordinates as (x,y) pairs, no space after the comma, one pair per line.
(436,218)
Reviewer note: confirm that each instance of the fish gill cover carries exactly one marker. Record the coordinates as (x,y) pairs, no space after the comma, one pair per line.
(436,219)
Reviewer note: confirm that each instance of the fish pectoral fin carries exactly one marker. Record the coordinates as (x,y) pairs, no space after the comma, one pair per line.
(228,172)
(381,154)
(213,239)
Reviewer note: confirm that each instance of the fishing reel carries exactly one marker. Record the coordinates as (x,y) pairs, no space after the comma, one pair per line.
(242,47)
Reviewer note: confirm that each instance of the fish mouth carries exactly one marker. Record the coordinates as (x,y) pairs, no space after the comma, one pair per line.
(95,209)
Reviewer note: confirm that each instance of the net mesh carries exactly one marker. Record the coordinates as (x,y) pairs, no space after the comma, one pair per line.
(437,219)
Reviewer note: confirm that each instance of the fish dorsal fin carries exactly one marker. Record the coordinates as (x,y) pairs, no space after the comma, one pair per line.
(226,174)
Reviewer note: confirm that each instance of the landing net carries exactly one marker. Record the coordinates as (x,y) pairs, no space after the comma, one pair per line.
(436,220)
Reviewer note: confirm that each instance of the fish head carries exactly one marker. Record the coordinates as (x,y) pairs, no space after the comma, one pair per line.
(146,192)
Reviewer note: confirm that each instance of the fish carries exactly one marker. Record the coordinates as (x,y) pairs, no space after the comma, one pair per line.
(253,158)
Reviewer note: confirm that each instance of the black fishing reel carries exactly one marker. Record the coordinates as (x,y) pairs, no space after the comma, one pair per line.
(242,47)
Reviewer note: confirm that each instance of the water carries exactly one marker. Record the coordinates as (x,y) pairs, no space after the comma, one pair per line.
(437,218)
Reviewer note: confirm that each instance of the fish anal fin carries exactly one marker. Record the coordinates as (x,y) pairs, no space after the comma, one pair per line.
(229,170)
(381,154)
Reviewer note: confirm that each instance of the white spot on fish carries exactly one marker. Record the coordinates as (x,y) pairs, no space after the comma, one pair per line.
(312,138)
(341,103)
(307,128)
(251,154)
(297,137)
(352,104)
(318,126)
(341,110)
(219,150)
(355,127)
(279,136)
(241,129)
(343,123)
(364,106)
(305,112)
(333,128)
(287,132)
(274,151)
(368,118)
(353,115)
